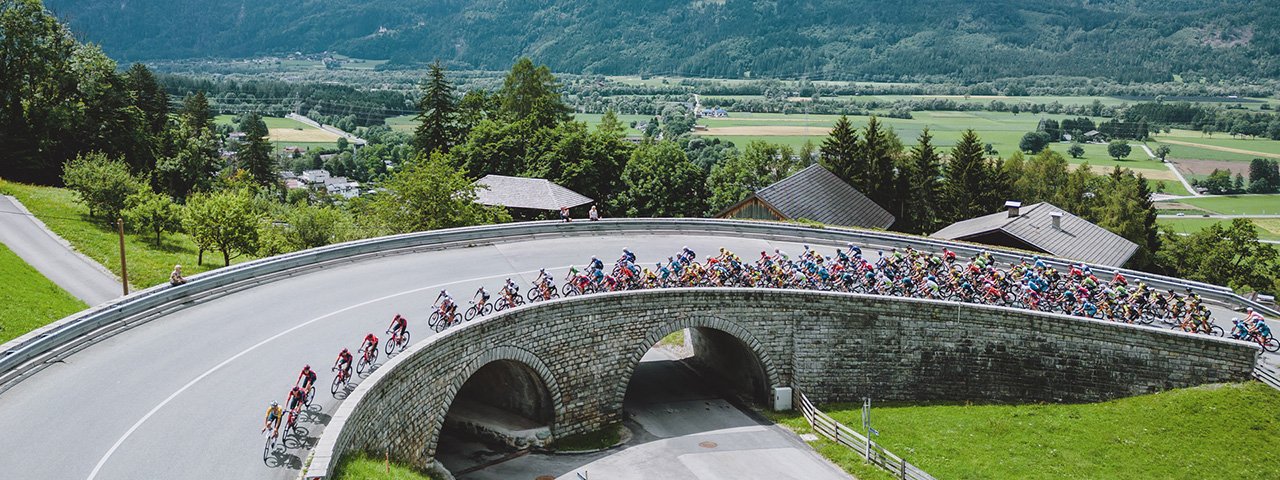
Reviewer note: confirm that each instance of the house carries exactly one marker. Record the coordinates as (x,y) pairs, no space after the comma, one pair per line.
(294,152)
(1094,136)
(342,186)
(713,112)
(812,194)
(1045,228)
(236,136)
(314,176)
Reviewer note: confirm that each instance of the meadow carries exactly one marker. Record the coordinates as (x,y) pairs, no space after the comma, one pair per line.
(31,300)
(1268,228)
(1200,432)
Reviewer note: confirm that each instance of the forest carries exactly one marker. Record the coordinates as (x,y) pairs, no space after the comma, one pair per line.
(925,40)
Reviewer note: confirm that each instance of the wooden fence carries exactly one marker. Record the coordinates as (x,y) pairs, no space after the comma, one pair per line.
(826,426)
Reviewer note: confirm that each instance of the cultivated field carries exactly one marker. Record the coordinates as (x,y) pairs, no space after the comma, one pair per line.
(286,130)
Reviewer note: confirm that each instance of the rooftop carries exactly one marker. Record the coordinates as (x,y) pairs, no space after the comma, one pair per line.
(1076,238)
(819,195)
(522,192)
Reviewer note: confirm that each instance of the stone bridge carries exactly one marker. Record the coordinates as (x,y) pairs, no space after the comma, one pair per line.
(564,365)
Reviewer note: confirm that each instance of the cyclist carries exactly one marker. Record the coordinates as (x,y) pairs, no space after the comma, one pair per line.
(446,305)
(370,345)
(628,256)
(399,325)
(343,362)
(297,397)
(687,253)
(484,298)
(1239,329)
(1259,327)
(595,264)
(307,378)
(510,291)
(272,421)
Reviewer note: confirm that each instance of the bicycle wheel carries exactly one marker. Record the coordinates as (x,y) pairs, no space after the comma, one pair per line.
(1271,344)
(404,341)
(270,446)
(471,313)
(488,308)
(390,346)
(361,364)
(434,320)
(311,394)
(1217,331)
(337,383)
(534,294)
(500,305)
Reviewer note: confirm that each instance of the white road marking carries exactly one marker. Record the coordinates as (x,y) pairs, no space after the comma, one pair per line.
(219,366)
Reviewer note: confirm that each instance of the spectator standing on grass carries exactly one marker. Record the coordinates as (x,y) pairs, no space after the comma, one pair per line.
(564,213)
(594,214)
(175,278)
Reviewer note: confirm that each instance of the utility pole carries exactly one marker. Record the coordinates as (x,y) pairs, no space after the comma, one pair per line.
(124,269)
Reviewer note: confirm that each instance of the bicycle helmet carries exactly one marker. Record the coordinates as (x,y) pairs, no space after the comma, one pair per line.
(344,351)
(306,368)
(275,403)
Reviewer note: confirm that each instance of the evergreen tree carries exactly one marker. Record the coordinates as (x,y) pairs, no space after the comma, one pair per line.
(533,93)
(254,155)
(924,187)
(662,182)
(148,96)
(840,152)
(878,148)
(966,173)
(437,114)
(195,108)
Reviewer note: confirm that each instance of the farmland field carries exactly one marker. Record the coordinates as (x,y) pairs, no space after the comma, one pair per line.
(1268,228)
(1237,204)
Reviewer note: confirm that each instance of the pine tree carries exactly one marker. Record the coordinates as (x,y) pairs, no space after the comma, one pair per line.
(437,114)
(254,155)
(839,152)
(877,150)
(532,93)
(924,169)
(148,96)
(966,173)
(196,109)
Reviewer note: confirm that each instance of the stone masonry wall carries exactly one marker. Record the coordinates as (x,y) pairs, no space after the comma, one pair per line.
(834,347)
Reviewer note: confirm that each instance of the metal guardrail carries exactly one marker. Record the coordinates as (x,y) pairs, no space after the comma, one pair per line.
(1267,375)
(22,350)
(837,432)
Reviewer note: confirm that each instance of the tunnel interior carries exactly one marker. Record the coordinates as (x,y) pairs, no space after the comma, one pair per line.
(711,362)
(504,406)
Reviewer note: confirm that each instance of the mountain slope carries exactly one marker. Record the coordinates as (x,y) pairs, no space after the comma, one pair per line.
(854,39)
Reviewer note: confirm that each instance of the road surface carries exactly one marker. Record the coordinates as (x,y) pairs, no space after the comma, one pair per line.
(183,396)
(53,257)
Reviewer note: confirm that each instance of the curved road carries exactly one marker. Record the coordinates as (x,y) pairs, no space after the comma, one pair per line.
(183,396)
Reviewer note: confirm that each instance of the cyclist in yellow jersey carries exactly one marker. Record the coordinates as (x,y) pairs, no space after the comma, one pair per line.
(274,415)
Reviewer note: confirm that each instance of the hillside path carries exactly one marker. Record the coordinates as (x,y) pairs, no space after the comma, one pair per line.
(52,256)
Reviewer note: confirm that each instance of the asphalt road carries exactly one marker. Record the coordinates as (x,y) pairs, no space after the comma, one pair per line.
(183,396)
(53,257)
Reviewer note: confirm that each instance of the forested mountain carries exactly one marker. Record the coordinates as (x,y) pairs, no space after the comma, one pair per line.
(966,40)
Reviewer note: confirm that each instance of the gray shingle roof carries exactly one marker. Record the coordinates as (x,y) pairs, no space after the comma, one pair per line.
(819,195)
(521,192)
(1078,239)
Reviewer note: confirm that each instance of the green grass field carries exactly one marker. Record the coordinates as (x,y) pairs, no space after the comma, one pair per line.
(364,468)
(31,301)
(148,264)
(272,122)
(1237,204)
(1214,431)
(1268,228)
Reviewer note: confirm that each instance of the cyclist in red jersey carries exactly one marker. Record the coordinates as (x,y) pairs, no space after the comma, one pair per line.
(306,379)
(370,344)
(344,362)
(399,325)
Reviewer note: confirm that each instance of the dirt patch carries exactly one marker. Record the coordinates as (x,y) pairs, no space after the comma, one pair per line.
(1219,148)
(1206,167)
(768,130)
(1162,174)
(304,135)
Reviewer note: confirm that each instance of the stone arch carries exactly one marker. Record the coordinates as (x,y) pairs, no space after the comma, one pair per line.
(496,354)
(683,321)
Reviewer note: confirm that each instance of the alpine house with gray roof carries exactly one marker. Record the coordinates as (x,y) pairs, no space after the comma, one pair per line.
(812,194)
(1042,227)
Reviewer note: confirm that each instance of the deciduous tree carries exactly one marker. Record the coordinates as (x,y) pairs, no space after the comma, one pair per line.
(223,221)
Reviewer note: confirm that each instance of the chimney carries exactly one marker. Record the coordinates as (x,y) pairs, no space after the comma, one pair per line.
(1012,207)
(1056,218)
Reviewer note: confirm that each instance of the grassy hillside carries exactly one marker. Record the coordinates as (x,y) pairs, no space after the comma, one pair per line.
(30,300)
(824,39)
(1215,431)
